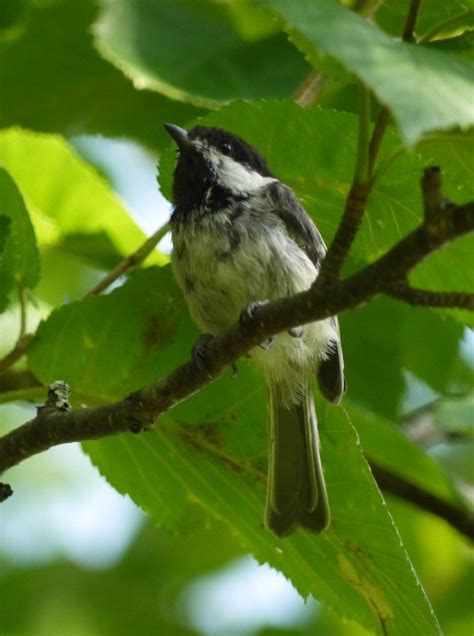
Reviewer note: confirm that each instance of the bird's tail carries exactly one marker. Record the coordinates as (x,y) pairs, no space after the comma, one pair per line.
(296,491)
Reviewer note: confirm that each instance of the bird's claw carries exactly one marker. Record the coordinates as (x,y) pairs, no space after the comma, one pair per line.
(200,350)
(248,313)
(296,332)
(268,344)
(249,310)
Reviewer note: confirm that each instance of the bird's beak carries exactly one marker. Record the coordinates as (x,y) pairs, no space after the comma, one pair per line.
(179,135)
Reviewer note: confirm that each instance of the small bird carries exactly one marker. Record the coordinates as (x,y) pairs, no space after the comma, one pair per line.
(241,238)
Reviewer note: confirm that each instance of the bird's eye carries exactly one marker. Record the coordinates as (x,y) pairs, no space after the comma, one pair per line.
(225,147)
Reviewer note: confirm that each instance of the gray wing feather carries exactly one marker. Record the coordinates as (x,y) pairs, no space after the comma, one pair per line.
(330,373)
(297,221)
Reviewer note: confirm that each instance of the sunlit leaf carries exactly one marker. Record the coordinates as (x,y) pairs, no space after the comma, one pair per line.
(66,195)
(19,263)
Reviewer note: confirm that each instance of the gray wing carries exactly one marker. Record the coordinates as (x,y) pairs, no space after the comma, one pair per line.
(298,223)
(330,373)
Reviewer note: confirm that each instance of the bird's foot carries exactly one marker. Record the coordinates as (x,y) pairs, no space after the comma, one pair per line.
(296,332)
(249,310)
(248,313)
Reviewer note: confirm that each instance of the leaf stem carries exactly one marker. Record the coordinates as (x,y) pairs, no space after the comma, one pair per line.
(410,22)
(24,339)
(130,262)
(22,302)
(361,173)
(309,90)
(377,136)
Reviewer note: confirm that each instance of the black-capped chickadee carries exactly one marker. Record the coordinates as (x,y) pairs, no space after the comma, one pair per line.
(240,236)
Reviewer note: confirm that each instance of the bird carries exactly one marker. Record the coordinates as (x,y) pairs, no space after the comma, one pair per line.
(240,239)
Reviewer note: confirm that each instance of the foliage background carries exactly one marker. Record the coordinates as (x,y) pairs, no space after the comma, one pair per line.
(120,68)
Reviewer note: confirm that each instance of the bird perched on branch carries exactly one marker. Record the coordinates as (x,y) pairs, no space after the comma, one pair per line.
(241,238)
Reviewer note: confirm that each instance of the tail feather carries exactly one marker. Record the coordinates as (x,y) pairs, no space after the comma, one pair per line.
(296,493)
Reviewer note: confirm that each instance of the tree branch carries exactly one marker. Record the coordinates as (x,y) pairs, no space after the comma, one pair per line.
(460,518)
(138,412)
(424,298)
(55,423)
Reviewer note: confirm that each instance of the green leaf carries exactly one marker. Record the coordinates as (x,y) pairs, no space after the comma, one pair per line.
(54,80)
(66,195)
(313,151)
(211,451)
(192,51)
(106,347)
(456,416)
(424,89)
(461,46)
(5,230)
(19,264)
(357,567)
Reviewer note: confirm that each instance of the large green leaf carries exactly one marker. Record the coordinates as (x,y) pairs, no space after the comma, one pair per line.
(211,451)
(120,341)
(358,567)
(193,51)
(5,223)
(66,195)
(54,80)
(424,89)
(313,151)
(19,263)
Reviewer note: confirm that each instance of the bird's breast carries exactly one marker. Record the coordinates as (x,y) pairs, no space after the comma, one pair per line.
(224,261)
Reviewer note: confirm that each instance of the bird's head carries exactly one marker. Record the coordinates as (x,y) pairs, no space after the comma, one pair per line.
(214,164)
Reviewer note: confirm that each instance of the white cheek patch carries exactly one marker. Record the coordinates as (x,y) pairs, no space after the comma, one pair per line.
(239,178)
(232,175)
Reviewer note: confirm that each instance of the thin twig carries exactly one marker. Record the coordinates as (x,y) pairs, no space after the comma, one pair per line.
(460,518)
(24,339)
(410,23)
(309,90)
(23,304)
(130,262)
(383,118)
(16,353)
(377,136)
(425,298)
(361,172)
